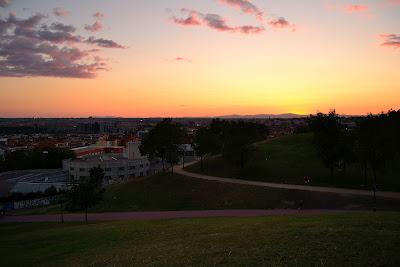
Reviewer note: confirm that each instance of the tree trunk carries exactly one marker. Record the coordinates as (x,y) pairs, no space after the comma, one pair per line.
(375,187)
(163,163)
(62,213)
(172,168)
(365,174)
(332,177)
(86,209)
(241,159)
(201,163)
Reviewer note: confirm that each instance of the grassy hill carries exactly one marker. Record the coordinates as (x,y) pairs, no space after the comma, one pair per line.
(362,239)
(165,192)
(289,159)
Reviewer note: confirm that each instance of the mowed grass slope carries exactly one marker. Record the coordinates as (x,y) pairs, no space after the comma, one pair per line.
(364,239)
(289,159)
(167,192)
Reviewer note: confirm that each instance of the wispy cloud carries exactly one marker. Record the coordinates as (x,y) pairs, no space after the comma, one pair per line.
(355,9)
(245,6)
(95,27)
(182,60)
(98,15)
(391,40)
(104,43)
(282,23)
(213,21)
(60,12)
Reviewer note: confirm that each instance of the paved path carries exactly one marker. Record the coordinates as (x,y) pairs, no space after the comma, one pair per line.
(160,215)
(393,195)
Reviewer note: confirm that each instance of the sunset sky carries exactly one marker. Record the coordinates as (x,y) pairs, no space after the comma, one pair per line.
(131,58)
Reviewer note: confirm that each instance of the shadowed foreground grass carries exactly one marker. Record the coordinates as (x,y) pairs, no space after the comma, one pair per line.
(363,239)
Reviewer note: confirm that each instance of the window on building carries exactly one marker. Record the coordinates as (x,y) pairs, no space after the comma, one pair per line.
(122,176)
(72,168)
(82,169)
(107,169)
(132,167)
(121,168)
(141,165)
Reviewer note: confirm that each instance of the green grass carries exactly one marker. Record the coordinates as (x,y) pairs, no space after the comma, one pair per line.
(289,159)
(166,192)
(363,239)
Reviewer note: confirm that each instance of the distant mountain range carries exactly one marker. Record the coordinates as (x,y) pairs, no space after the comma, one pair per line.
(264,116)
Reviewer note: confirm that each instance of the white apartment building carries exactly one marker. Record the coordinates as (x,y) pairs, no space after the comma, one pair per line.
(117,166)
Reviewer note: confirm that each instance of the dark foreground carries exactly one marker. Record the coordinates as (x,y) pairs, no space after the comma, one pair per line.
(350,239)
(158,215)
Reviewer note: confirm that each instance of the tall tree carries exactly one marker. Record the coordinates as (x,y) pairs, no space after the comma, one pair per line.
(375,139)
(88,192)
(327,139)
(207,141)
(163,142)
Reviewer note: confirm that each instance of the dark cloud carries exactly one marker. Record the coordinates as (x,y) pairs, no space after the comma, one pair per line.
(281,23)
(391,40)
(104,43)
(213,21)
(245,6)
(5,3)
(32,47)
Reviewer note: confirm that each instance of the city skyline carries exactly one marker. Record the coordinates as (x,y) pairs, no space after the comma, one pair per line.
(198,58)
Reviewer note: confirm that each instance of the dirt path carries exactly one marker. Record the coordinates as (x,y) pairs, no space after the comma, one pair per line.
(160,215)
(393,195)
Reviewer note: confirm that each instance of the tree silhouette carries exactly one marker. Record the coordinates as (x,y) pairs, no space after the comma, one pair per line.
(163,142)
(88,192)
(327,139)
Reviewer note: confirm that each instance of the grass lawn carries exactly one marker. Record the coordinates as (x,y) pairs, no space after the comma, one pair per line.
(289,159)
(363,239)
(166,192)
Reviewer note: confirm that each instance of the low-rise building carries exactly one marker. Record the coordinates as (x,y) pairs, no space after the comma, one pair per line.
(118,163)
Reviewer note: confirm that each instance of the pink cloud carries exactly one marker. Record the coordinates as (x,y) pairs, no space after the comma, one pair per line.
(95,27)
(193,18)
(98,15)
(214,22)
(356,8)
(245,6)
(182,60)
(282,23)
(60,12)
(391,40)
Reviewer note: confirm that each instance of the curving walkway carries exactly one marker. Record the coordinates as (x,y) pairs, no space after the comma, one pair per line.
(393,195)
(160,215)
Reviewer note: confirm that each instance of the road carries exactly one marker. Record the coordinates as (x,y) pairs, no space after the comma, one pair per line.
(393,195)
(161,215)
